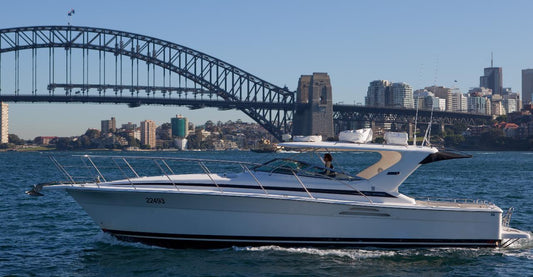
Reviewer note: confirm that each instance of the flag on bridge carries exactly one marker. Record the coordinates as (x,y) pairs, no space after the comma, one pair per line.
(71,12)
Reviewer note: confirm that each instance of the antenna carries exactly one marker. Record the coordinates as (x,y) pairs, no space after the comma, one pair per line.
(491,60)
(427,135)
(416,117)
(417,103)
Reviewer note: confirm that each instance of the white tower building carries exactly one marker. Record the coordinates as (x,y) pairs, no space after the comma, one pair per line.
(4,121)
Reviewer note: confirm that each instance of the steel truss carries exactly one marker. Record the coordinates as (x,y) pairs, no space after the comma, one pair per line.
(222,84)
(204,81)
(346,113)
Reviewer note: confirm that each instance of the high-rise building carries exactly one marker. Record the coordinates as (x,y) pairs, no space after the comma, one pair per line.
(496,105)
(510,105)
(507,91)
(511,102)
(4,122)
(493,79)
(129,126)
(478,105)
(480,92)
(402,95)
(527,86)
(378,94)
(108,126)
(426,100)
(180,126)
(442,104)
(382,93)
(419,96)
(443,93)
(180,143)
(148,128)
(459,102)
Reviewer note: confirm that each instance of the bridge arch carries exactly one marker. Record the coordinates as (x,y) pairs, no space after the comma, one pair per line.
(269,105)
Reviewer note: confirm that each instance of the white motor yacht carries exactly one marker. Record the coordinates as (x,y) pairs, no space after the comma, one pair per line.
(285,202)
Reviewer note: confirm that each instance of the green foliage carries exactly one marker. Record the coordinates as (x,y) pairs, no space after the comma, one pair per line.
(456,129)
(133,142)
(165,136)
(15,139)
(92,133)
(84,141)
(63,144)
(501,118)
(209,126)
(494,139)
(453,140)
(193,141)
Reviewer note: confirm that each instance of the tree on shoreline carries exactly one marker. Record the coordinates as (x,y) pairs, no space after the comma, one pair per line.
(14,139)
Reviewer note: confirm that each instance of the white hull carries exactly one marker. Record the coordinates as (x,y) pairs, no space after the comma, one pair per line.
(283,202)
(180,219)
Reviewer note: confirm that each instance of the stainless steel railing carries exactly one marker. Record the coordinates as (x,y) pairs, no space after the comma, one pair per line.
(506,218)
(103,168)
(97,172)
(457,201)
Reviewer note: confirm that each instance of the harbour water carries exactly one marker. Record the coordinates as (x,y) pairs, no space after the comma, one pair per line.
(53,236)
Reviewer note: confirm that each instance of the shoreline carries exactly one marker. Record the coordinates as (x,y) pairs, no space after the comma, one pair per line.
(46,149)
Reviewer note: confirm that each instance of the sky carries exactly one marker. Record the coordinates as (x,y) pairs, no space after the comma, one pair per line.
(421,43)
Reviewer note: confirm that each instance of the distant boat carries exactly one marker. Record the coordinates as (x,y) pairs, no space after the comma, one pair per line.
(265,146)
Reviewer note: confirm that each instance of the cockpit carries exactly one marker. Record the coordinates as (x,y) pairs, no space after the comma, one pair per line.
(290,167)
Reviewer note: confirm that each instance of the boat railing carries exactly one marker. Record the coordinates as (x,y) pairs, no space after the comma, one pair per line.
(456,201)
(506,218)
(105,168)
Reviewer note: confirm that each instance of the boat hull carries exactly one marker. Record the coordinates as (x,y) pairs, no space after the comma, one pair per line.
(213,220)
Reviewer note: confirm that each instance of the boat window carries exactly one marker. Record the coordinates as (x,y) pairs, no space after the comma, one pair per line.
(321,172)
(288,166)
(283,166)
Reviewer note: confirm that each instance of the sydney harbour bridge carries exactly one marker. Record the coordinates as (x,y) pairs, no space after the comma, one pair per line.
(71,64)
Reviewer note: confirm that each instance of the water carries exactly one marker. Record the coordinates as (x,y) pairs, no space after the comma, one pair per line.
(52,235)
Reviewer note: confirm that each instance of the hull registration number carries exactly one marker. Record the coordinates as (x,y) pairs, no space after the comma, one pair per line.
(151,200)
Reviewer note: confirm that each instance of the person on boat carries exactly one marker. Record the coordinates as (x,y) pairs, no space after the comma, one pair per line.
(328,159)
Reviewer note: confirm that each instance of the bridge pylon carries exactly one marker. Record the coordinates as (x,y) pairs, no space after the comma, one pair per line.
(314,106)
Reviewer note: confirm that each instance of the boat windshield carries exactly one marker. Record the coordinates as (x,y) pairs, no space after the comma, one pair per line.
(288,166)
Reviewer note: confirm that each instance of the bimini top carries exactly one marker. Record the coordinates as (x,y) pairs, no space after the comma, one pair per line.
(396,164)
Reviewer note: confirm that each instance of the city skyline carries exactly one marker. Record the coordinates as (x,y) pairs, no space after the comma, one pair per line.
(415,42)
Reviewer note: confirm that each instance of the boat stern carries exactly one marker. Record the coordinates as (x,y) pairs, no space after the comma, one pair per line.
(511,235)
